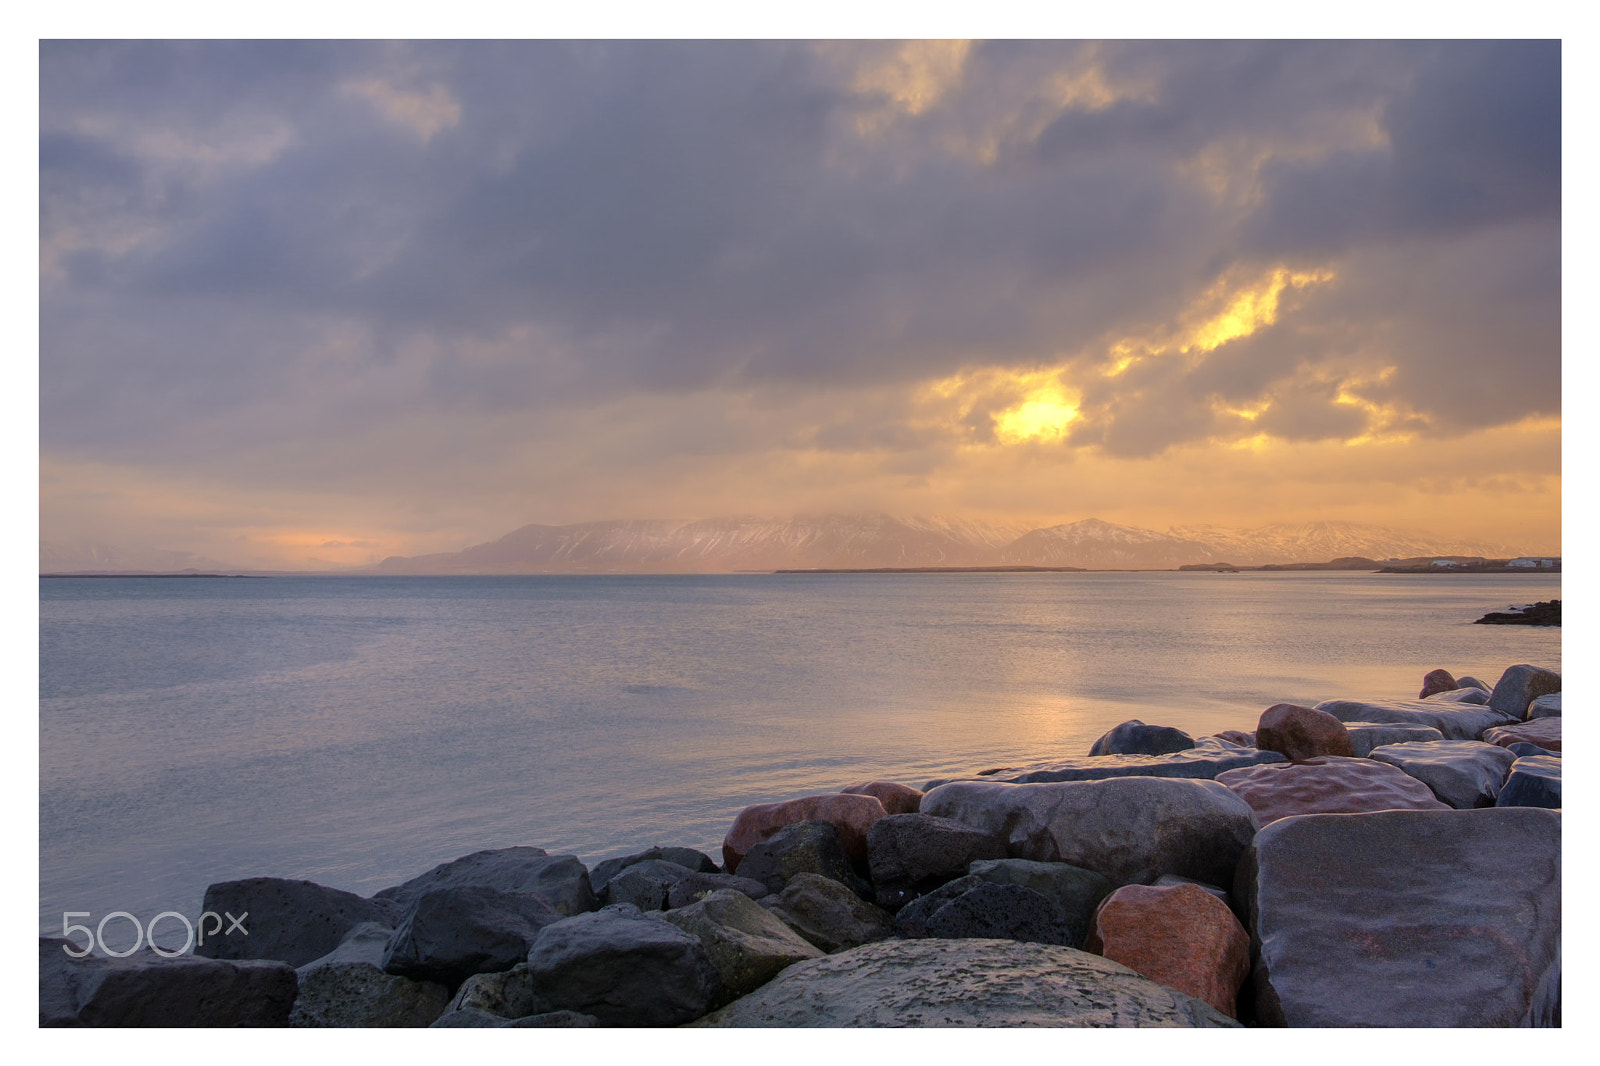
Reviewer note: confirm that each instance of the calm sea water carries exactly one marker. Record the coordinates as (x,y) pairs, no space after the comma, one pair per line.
(355,732)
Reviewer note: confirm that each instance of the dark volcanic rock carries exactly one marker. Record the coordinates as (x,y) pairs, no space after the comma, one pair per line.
(1208,758)
(1002,912)
(1544,613)
(801,848)
(1300,733)
(911,853)
(506,994)
(1454,721)
(1462,773)
(747,943)
(969,983)
(645,884)
(1534,781)
(1364,736)
(1075,890)
(291,921)
(605,870)
(623,967)
(828,914)
(449,934)
(1130,829)
(147,991)
(696,887)
(560,880)
(1520,686)
(358,995)
(1407,918)
(1133,737)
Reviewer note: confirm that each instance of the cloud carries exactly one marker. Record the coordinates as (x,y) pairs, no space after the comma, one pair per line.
(321,265)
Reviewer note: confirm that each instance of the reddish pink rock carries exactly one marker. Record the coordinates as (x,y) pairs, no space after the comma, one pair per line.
(852,814)
(896,799)
(1300,733)
(1437,681)
(1545,732)
(1237,736)
(1180,936)
(1328,785)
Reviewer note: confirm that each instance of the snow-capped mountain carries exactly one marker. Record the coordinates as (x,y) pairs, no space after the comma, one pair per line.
(873,540)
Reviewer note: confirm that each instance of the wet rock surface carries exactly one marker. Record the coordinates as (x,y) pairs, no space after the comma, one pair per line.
(1454,721)
(1545,732)
(1519,686)
(1547,706)
(965,983)
(1208,758)
(896,798)
(1364,736)
(1534,781)
(1407,918)
(1461,773)
(146,990)
(1328,786)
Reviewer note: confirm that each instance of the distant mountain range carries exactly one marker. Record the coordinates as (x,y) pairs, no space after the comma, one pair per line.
(880,540)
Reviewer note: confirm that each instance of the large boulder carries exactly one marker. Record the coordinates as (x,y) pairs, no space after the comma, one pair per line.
(1237,737)
(1364,736)
(801,848)
(560,880)
(1547,706)
(449,934)
(1471,682)
(606,869)
(623,967)
(1462,773)
(990,911)
(367,942)
(1208,758)
(696,887)
(359,995)
(896,798)
(850,813)
(506,994)
(1328,786)
(1133,737)
(909,854)
(1545,732)
(1180,936)
(1460,695)
(747,943)
(145,990)
(1130,829)
(1534,781)
(968,983)
(1454,721)
(291,921)
(827,914)
(1407,919)
(1521,685)
(1300,733)
(1437,681)
(1075,890)
(645,884)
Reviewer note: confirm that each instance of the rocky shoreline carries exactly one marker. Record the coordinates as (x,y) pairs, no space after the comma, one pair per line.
(1357,863)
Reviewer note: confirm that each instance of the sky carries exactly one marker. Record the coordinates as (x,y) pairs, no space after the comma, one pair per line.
(315,304)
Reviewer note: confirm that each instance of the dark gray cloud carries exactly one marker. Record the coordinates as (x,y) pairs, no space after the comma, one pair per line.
(244,240)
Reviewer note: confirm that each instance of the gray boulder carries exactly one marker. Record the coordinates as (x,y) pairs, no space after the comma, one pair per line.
(1470,694)
(1364,736)
(449,934)
(359,995)
(645,884)
(624,968)
(606,869)
(1462,773)
(1075,890)
(801,848)
(1546,706)
(911,922)
(1133,737)
(966,983)
(507,994)
(145,990)
(992,911)
(1131,829)
(1522,749)
(1407,919)
(908,854)
(290,921)
(1521,685)
(561,880)
(367,942)
(748,945)
(828,914)
(1472,682)
(1205,760)
(698,886)
(1534,781)
(1454,721)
